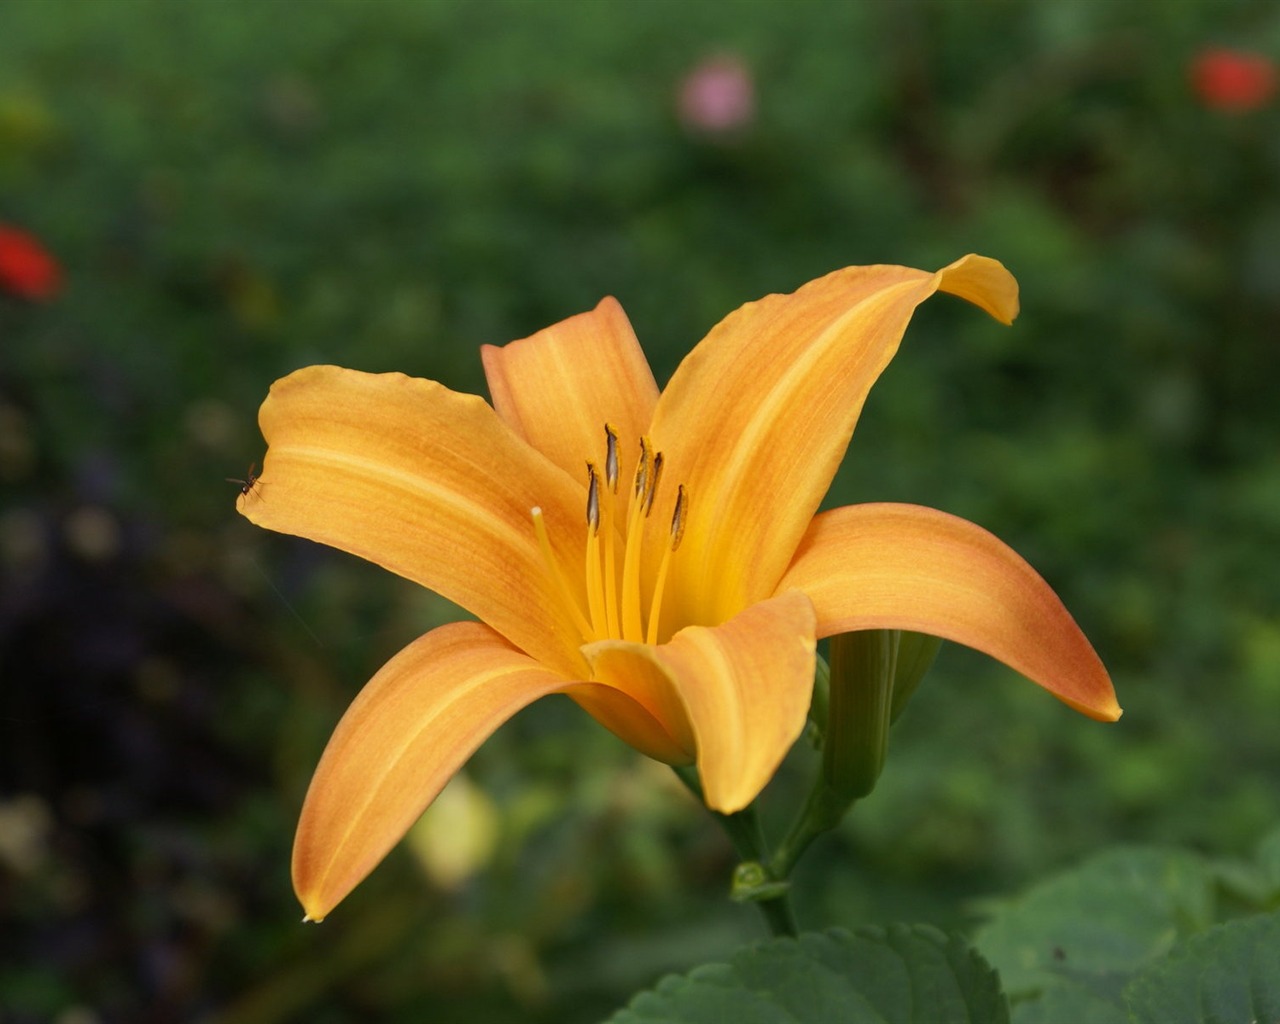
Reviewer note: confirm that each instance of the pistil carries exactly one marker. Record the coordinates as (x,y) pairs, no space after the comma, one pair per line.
(557,576)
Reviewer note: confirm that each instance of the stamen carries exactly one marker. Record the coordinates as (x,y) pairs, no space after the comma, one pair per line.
(613,602)
(595,584)
(610,561)
(632,627)
(653,487)
(677,534)
(557,576)
(642,468)
(593,498)
(678,517)
(611,457)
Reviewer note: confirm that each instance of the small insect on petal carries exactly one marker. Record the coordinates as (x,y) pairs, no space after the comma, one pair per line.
(249,482)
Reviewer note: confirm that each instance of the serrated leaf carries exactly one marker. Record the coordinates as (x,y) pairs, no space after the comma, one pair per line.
(897,975)
(1229,974)
(1093,926)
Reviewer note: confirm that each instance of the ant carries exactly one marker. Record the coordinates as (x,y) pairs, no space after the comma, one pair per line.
(247,485)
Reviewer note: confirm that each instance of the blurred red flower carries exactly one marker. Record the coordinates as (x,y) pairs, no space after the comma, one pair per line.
(26,268)
(718,96)
(1233,80)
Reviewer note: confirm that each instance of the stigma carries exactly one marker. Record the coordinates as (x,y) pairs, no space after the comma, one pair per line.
(615,605)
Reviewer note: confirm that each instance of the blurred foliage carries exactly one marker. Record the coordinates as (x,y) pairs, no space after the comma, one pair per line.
(235,190)
(1130,927)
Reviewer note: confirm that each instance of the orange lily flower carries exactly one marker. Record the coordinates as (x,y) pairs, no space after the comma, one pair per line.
(675,587)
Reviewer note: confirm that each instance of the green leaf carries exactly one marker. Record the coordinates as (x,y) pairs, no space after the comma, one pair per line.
(1230,973)
(897,975)
(1070,1001)
(1088,930)
(1269,862)
(1254,883)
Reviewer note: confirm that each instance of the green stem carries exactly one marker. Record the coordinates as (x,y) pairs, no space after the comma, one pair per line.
(742,828)
(772,897)
(752,882)
(822,812)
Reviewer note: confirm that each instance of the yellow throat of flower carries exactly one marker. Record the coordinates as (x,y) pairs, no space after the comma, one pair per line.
(614,600)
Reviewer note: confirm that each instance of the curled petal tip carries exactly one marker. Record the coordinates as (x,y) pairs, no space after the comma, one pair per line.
(406,734)
(892,566)
(1104,711)
(1095,696)
(1085,687)
(984,282)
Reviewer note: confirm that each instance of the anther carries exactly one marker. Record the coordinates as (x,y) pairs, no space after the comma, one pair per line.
(593,498)
(653,486)
(611,457)
(678,518)
(597,592)
(642,469)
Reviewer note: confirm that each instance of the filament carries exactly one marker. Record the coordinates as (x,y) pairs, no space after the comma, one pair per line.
(677,535)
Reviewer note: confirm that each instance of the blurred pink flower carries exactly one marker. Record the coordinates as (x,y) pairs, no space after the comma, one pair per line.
(26,268)
(718,96)
(1233,80)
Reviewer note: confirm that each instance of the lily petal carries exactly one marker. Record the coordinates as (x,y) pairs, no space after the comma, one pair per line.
(891,566)
(641,709)
(558,388)
(430,484)
(745,686)
(408,731)
(758,416)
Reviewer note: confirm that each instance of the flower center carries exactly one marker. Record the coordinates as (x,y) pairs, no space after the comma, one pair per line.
(614,599)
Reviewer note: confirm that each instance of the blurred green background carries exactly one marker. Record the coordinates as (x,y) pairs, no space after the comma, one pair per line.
(235,190)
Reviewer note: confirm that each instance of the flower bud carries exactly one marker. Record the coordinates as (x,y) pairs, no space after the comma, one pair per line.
(916,653)
(861,701)
(816,729)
